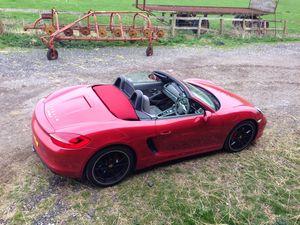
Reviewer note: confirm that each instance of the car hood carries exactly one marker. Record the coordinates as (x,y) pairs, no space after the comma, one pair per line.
(227,99)
(74,107)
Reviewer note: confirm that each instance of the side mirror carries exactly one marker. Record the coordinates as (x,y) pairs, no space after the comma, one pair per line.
(207,115)
(153,77)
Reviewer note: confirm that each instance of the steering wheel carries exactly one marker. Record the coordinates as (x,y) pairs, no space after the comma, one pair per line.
(182,106)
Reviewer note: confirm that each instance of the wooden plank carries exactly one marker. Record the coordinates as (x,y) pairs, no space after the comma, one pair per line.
(173,26)
(225,19)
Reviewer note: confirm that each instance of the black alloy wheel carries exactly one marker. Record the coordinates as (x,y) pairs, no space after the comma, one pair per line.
(110,166)
(240,137)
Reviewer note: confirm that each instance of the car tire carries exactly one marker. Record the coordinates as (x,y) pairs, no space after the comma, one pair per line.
(240,137)
(110,166)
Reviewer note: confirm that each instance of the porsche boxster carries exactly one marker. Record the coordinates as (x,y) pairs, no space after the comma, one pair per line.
(104,132)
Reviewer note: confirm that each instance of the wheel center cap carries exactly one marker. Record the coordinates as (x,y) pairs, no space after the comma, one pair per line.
(110,166)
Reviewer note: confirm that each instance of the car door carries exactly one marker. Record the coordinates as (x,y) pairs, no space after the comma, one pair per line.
(187,134)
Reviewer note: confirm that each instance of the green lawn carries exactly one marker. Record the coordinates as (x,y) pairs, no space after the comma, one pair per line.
(288,9)
(15,37)
(257,186)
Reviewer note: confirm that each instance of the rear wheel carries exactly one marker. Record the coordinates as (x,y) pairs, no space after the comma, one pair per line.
(110,166)
(52,54)
(240,137)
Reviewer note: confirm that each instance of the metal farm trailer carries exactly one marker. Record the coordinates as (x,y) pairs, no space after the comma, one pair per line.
(255,10)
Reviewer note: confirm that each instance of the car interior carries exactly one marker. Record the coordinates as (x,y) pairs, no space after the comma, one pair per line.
(158,98)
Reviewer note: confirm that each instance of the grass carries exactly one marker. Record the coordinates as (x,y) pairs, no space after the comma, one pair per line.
(287,9)
(15,37)
(17,40)
(257,186)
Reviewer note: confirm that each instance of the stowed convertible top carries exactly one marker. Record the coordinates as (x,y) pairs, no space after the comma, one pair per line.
(116,101)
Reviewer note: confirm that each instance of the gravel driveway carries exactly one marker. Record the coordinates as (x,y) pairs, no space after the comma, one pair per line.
(267,75)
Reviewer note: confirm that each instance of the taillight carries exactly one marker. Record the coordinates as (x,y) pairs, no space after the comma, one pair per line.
(69,140)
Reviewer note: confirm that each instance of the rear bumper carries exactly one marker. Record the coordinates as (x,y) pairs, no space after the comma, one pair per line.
(53,170)
(65,162)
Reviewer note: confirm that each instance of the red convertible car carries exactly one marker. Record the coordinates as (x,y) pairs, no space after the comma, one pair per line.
(104,132)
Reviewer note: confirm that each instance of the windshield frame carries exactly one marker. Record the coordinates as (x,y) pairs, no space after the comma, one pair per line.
(214,100)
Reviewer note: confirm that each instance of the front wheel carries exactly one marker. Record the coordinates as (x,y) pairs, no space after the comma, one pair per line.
(149,51)
(110,166)
(240,137)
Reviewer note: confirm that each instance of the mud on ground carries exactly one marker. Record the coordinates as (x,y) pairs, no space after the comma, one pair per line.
(267,75)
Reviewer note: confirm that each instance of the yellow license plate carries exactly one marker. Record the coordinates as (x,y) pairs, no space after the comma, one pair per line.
(36,142)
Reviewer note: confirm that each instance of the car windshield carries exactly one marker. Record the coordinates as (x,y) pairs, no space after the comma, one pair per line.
(141,77)
(204,96)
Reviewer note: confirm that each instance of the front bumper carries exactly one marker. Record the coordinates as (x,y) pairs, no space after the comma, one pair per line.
(261,122)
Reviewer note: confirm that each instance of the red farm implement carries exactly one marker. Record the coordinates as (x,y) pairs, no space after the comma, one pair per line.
(89,28)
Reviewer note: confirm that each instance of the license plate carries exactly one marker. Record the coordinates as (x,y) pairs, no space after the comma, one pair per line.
(36,142)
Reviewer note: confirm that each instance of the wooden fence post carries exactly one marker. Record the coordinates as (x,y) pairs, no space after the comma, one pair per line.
(244,24)
(163,14)
(221,25)
(284,27)
(173,26)
(199,27)
(244,28)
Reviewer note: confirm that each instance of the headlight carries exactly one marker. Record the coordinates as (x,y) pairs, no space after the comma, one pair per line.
(259,110)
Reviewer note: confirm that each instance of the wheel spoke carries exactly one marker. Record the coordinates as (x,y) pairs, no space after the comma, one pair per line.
(241,137)
(111,167)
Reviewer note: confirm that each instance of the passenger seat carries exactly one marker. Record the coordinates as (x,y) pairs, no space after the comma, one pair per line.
(151,109)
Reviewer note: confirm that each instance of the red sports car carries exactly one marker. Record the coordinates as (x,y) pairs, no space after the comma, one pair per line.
(104,132)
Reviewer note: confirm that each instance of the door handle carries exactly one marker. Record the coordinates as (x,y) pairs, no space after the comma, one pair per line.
(166,132)
(153,90)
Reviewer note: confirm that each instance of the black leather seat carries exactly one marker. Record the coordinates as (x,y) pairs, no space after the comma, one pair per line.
(137,100)
(124,85)
(119,82)
(142,103)
(150,109)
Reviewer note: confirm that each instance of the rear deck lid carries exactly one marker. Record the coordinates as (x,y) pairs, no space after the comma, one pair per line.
(75,106)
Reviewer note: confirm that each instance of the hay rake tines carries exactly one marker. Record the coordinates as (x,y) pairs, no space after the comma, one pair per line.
(92,30)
